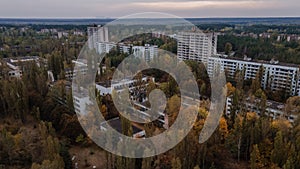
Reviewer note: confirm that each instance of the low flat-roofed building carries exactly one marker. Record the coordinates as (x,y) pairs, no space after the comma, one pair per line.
(17,65)
(108,87)
(81,68)
(117,125)
(273,110)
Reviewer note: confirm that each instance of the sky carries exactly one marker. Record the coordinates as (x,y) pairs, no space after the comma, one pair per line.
(120,8)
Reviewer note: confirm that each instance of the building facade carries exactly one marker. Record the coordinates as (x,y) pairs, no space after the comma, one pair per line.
(196,45)
(275,76)
(148,52)
(107,88)
(274,110)
(202,47)
(97,34)
(18,65)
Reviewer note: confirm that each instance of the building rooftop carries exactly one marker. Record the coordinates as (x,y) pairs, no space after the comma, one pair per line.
(272,62)
(117,125)
(270,103)
(21,59)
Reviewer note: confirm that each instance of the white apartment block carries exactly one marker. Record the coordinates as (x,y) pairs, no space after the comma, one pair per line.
(81,101)
(276,76)
(105,47)
(125,48)
(81,69)
(196,45)
(202,47)
(97,34)
(147,52)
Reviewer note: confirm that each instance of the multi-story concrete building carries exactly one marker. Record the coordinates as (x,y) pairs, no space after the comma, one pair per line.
(107,87)
(105,47)
(97,34)
(273,109)
(196,45)
(275,76)
(148,52)
(81,98)
(81,69)
(18,65)
(202,47)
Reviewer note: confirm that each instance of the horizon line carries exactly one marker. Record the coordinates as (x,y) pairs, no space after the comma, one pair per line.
(214,17)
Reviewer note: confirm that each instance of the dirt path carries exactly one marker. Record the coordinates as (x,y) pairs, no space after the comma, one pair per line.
(87,157)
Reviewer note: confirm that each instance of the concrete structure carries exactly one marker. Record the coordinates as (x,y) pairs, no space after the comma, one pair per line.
(105,47)
(82,69)
(201,47)
(196,45)
(97,34)
(18,65)
(81,100)
(117,125)
(107,87)
(274,109)
(276,76)
(148,52)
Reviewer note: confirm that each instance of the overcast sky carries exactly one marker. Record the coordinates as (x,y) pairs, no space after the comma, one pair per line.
(118,8)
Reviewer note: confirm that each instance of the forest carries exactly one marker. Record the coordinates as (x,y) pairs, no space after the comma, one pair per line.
(38,132)
(260,48)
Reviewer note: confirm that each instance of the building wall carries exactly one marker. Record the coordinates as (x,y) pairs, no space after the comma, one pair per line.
(275,76)
(97,34)
(272,111)
(105,47)
(80,104)
(147,52)
(120,85)
(196,46)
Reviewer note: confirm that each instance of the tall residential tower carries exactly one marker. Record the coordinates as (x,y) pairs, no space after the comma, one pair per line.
(196,45)
(97,34)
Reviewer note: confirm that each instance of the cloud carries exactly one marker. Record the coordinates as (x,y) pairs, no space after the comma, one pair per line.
(186,5)
(117,8)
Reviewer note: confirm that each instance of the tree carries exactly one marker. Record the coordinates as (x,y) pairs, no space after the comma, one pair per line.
(293,105)
(146,164)
(79,139)
(56,163)
(173,107)
(279,153)
(176,163)
(212,166)
(197,167)
(64,153)
(262,104)
(230,89)
(223,129)
(255,157)
(228,48)
(126,126)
